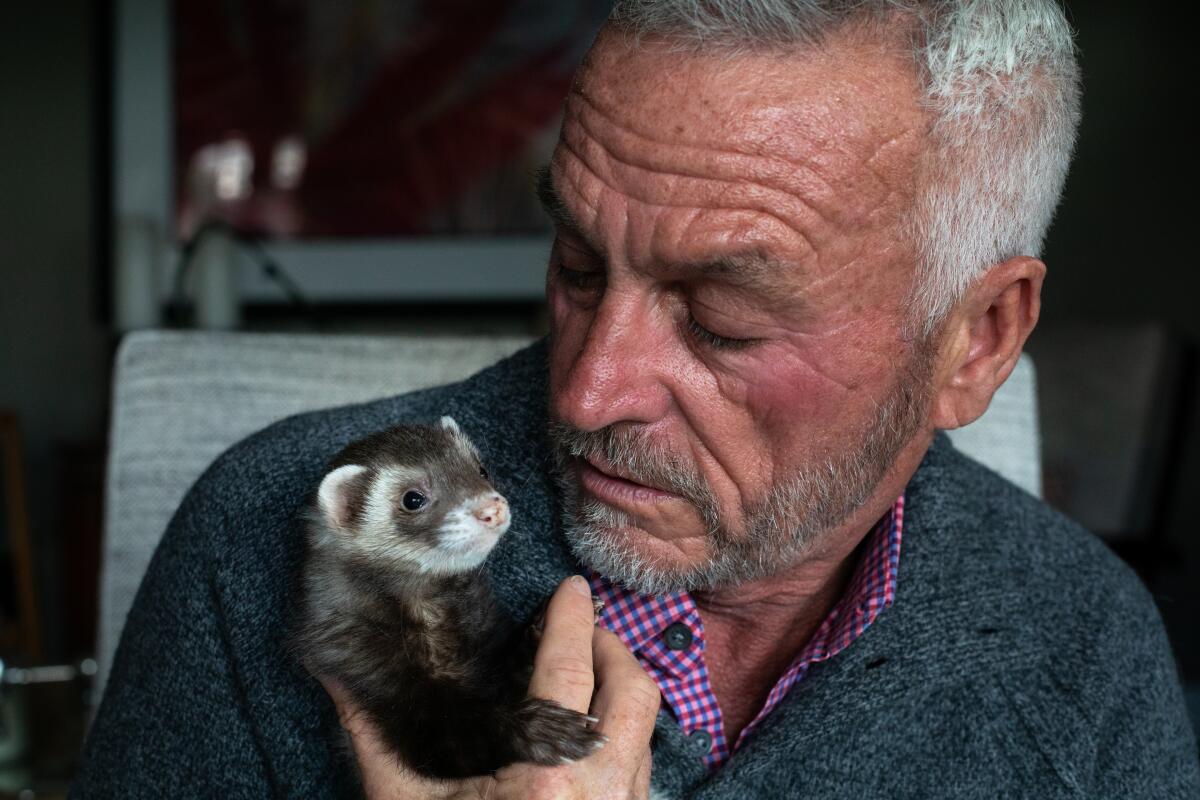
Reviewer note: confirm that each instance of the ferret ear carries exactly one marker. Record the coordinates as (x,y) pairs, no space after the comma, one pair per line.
(340,494)
(450,426)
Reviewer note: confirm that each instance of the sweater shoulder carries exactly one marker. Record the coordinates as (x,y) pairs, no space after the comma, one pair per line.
(1008,583)
(1010,602)
(1007,546)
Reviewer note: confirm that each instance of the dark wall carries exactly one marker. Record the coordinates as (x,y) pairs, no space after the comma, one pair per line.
(1121,250)
(53,350)
(1120,245)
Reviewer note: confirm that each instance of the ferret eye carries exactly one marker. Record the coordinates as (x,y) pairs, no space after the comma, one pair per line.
(414,500)
(483,473)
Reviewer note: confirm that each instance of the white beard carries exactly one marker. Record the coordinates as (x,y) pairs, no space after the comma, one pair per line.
(783,527)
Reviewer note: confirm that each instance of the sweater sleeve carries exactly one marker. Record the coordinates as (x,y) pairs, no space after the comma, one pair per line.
(204,698)
(173,716)
(1099,702)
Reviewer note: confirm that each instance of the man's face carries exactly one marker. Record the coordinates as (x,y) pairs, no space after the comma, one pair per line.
(727,291)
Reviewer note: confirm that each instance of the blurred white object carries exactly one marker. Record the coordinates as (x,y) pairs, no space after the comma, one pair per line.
(138,266)
(222,172)
(288,160)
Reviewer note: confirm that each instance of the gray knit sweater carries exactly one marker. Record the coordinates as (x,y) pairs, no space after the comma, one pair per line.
(1020,658)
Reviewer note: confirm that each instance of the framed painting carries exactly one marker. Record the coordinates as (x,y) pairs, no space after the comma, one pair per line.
(376,151)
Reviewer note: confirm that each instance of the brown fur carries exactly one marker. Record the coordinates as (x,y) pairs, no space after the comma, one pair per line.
(425,654)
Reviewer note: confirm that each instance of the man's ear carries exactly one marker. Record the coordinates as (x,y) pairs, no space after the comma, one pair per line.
(983,338)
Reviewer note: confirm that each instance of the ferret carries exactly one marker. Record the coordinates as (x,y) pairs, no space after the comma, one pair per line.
(394,605)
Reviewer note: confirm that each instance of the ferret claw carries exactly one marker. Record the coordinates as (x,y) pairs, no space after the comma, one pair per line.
(591,719)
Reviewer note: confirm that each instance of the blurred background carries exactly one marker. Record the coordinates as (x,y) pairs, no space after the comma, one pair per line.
(363,167)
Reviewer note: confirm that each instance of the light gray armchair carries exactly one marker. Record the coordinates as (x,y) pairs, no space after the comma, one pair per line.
(180,399)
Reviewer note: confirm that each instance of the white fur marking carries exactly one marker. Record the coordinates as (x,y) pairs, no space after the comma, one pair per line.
(463,541)
(378,534)
(377,511)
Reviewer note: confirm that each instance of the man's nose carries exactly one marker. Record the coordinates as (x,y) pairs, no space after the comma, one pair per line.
(614,370)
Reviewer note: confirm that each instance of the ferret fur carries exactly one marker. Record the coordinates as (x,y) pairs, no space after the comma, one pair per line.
(394,605)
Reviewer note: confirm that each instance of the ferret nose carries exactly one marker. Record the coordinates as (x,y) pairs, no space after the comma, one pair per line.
(493,511)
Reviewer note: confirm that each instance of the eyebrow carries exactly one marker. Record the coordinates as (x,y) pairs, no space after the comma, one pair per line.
(750,267)
(751,270)
(552,202)
(556,208)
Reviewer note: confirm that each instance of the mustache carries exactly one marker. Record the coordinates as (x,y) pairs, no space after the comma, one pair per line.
(636,456)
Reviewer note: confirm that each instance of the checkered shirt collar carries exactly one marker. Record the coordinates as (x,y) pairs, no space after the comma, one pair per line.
(682,675)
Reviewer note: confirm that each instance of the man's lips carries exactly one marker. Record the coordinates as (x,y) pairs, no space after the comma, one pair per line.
(617,490)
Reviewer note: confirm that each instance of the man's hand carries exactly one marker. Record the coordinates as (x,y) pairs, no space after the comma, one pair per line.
(579,666)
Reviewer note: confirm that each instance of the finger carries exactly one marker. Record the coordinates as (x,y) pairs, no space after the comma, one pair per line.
(641,780)
(350,715)
(627,699)
(562,668)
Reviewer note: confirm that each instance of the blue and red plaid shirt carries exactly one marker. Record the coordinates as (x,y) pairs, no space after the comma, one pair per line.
(666,634)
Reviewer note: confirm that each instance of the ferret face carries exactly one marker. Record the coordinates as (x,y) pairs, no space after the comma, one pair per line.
(416,496)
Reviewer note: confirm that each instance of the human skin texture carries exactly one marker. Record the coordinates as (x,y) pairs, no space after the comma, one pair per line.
(730,279)
(757,198)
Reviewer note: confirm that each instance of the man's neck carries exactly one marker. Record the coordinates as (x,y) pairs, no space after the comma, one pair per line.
(753,631)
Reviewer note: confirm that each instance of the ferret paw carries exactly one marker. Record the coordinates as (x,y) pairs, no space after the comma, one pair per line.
(551,735)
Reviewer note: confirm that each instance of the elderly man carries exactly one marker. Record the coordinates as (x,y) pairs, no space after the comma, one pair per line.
(794,240)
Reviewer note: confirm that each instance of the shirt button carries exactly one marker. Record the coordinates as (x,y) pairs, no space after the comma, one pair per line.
(678,636)
(702,740)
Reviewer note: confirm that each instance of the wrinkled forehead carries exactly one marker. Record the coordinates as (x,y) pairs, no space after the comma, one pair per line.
(842,110)
(826,139)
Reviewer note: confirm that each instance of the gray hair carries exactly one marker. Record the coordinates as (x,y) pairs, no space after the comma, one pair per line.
(1001,86)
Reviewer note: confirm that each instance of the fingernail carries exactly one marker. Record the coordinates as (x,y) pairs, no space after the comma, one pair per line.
(580,584)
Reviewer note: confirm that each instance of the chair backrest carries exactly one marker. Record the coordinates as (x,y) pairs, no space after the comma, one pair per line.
(1008,437)
(180,399)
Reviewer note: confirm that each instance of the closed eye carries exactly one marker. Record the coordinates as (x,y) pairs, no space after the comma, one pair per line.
(710,339)
(581,280)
